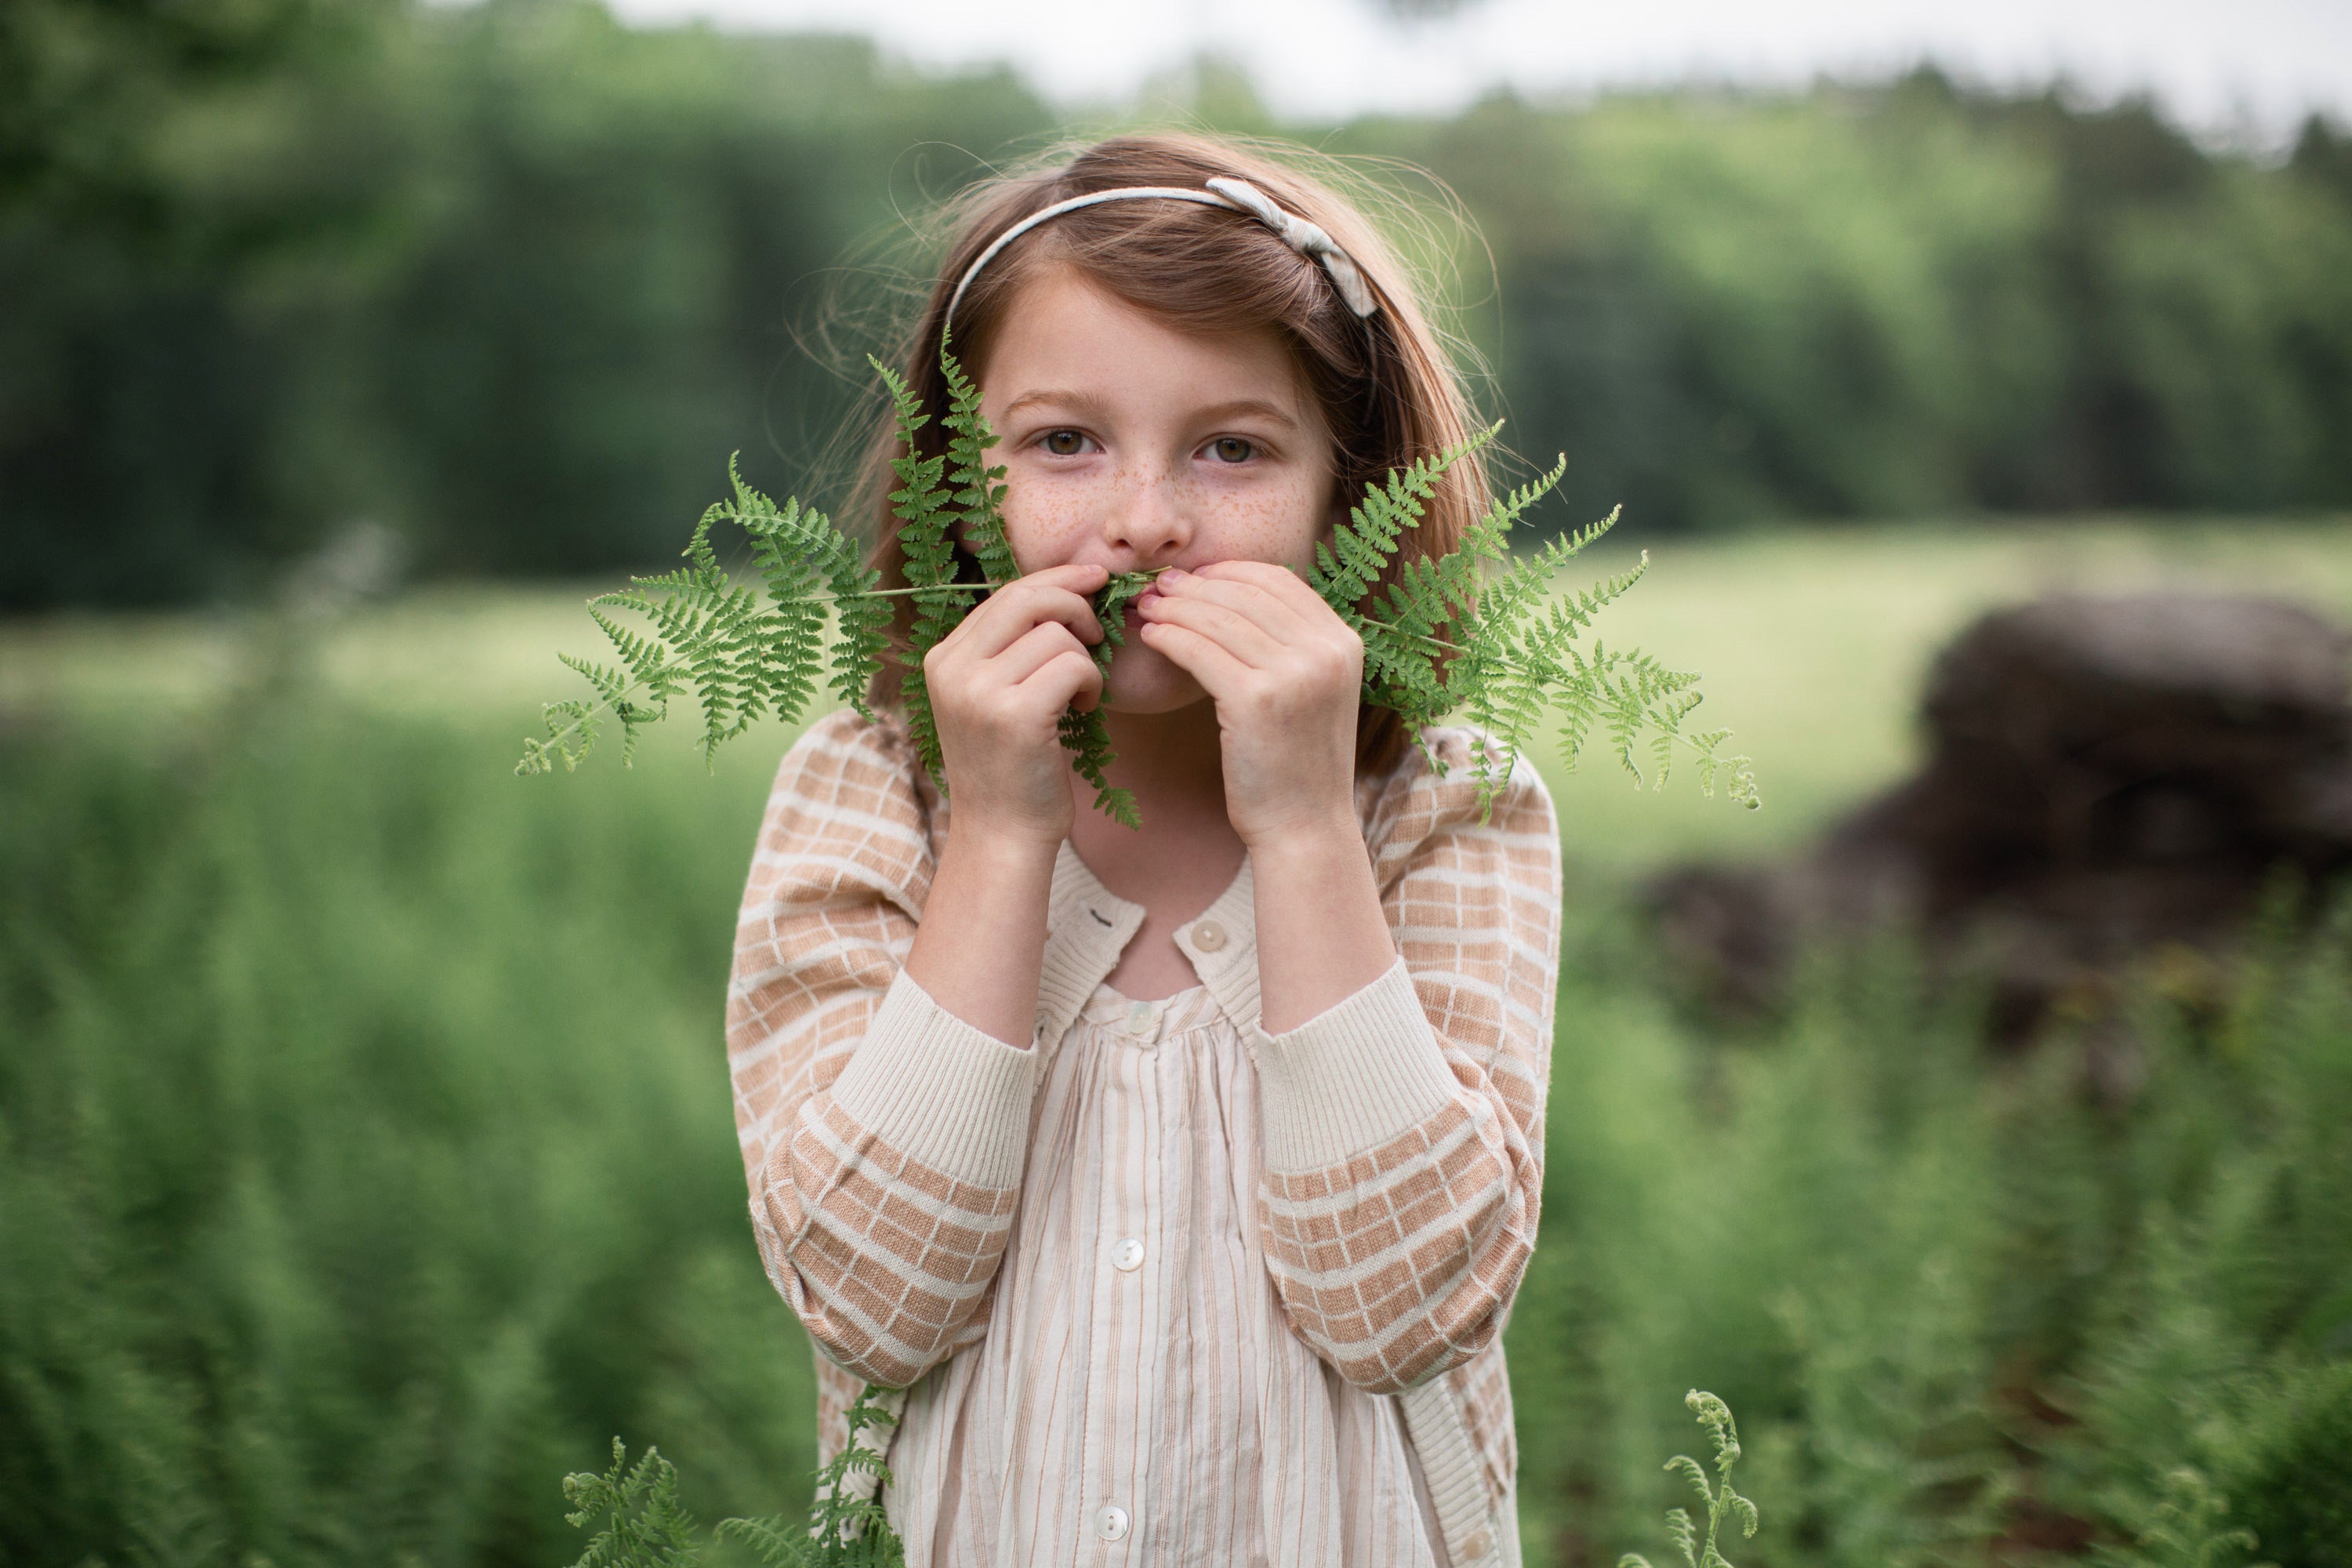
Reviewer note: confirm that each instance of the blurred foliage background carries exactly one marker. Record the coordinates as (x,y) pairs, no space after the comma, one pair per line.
(364,1149)
(513,279)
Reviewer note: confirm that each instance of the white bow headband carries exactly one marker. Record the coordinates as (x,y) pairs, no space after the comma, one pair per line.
(1236,196)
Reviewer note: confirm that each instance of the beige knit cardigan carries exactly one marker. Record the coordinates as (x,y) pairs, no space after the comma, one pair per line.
(884,1141)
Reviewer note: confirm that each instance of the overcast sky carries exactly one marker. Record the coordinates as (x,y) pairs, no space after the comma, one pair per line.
(2216,65)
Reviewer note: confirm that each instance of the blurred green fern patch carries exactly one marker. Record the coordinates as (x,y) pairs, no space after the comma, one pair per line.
(366,1166)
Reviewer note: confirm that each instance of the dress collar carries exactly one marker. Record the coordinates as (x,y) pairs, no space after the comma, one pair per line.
(1088,927)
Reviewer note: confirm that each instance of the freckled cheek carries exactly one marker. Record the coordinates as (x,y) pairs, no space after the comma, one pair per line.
(1280,525)
(1047,523)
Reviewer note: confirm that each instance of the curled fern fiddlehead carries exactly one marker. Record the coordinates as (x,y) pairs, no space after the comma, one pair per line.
(1720,1500)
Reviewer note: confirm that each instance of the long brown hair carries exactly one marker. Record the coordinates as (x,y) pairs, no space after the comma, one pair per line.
(1387,391)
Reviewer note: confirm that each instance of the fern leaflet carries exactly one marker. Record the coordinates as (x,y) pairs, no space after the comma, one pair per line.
(1722,1501)
(643,1525)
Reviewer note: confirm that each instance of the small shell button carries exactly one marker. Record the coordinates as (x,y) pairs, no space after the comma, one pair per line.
(1110,1522)
(1126,1255)
(1209,936)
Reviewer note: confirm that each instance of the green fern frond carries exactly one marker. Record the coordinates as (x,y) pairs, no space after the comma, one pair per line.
(1681,1529)
(927,545)
(610,683)
(743,660)
(848,1527)
(1410,637)
(1481,631)
(861,641)
(643,1524)
(1085,735)
(977,497)
(1360,548)
(1444,635)
(1721,1501)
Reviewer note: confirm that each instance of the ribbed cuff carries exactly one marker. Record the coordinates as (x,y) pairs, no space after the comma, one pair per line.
(939,1091)
(1351,1078)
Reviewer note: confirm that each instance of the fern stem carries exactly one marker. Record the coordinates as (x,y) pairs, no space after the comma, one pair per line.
(555,737)
(961,587)
(1514,668)
(1442,645)
(553,740)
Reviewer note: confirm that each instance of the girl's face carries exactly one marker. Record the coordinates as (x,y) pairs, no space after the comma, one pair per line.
(1130,445)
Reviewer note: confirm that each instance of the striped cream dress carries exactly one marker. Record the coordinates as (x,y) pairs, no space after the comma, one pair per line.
(1164,1289)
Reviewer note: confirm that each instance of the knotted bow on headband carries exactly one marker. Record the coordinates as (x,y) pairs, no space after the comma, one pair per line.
(1236,196)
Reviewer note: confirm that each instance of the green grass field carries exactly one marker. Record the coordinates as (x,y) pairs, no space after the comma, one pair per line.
(367,1164)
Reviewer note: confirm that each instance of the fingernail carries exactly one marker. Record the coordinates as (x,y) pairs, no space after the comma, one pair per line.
(1171,575)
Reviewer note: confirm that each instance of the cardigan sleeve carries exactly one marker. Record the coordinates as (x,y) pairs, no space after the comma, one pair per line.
(883,1138)
(1403,1127)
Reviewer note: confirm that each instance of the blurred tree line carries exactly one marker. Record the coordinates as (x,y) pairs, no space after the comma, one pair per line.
(513,280)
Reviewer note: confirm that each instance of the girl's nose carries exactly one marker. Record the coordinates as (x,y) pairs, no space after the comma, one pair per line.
(1150,520)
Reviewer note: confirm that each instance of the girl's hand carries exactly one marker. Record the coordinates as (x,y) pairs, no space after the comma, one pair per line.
(1284,672)
(999,683)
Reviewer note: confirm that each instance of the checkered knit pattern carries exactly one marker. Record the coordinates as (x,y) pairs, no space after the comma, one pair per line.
(1399,1259)
(1399,1160)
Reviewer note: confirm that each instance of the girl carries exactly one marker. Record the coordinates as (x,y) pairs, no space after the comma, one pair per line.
(1183,1177)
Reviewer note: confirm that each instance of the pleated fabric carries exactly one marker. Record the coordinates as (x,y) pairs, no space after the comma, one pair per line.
(1173,1390)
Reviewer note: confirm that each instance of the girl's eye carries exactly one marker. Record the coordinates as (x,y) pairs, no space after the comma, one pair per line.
(1232,449)
(1066,443)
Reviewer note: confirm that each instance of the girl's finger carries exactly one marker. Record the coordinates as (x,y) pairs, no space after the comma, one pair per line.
(1067,680)
(1007,614)
(1231,629)
(1219,672)
(1257,595)
(1279,583)
(1031,651)
(1267,575)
